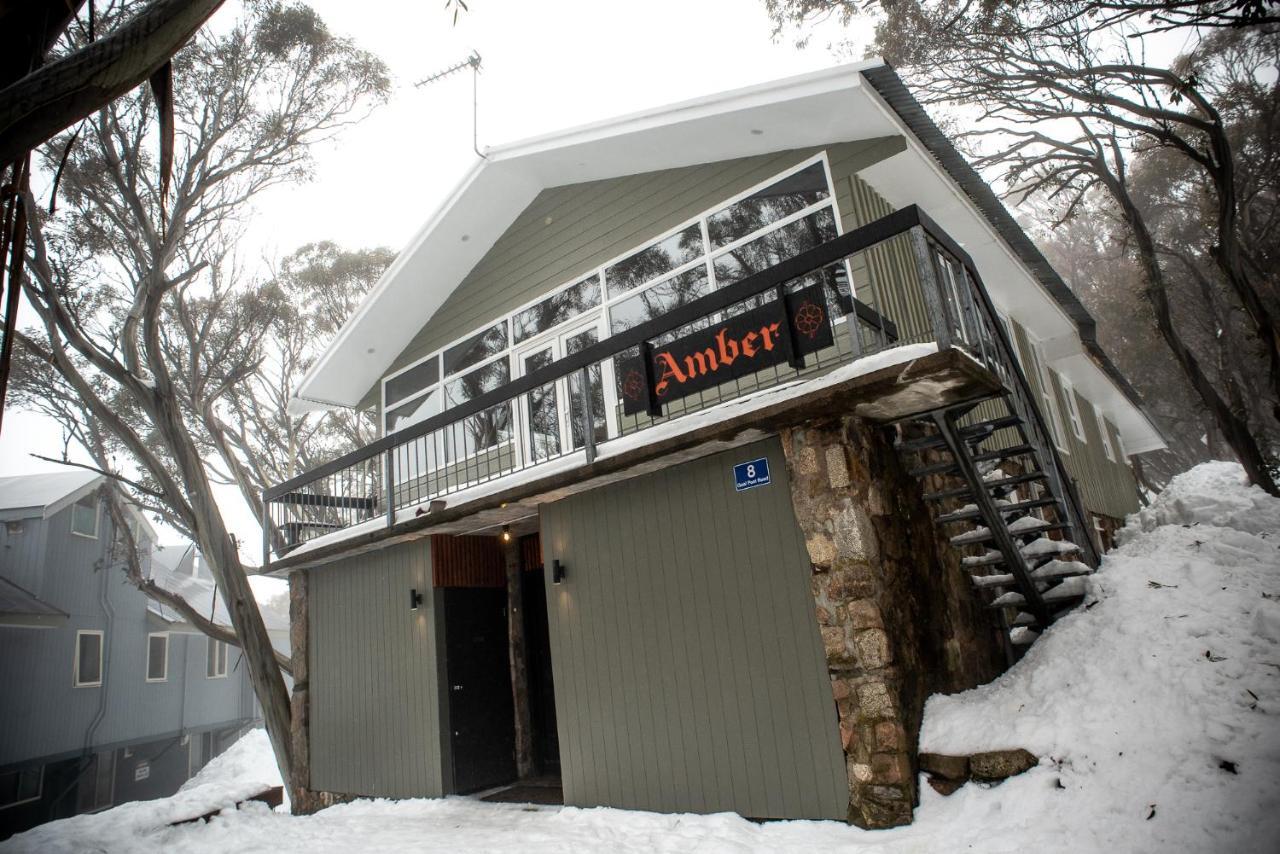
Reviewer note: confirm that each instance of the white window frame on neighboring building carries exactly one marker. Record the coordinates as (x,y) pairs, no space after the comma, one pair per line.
(215,659)
(39,772)
(164,676)
(1105,433)
(1073,408)
(75,665)
(1048,398)
(79,505)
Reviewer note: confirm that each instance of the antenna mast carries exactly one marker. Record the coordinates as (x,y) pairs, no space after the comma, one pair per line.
(472,61)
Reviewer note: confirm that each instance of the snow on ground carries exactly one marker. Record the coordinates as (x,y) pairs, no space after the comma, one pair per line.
(1135,702)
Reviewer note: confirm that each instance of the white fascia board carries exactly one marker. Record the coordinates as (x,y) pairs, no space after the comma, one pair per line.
(73,496)
(444,250)
(819,108)
(914,174)
(1139,434)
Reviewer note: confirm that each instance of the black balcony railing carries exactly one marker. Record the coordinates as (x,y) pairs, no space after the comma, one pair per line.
(568,409)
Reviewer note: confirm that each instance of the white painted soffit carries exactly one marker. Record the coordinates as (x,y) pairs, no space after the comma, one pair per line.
(912,176)
(811,109)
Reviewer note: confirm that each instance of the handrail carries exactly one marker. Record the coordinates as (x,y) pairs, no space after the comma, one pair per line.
(793,268)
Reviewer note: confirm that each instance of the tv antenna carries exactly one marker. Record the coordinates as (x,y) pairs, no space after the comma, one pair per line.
(472,61)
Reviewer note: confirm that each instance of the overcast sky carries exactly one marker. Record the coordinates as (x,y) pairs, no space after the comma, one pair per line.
(548,64)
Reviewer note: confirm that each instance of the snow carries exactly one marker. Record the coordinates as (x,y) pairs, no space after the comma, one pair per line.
(1134,704)
(743,405)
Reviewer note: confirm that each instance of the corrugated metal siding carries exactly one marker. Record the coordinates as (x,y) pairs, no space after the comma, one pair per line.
(568,231)
(1106,487)
(375,722)
(688,668)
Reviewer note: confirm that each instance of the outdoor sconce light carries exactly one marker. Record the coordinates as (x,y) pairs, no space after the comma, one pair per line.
(415,599)
(506,533)
(557,572)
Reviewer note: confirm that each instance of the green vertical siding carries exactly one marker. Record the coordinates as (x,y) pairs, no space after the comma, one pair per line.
(568,231)
(1106,487)
(375,721)
(688,668)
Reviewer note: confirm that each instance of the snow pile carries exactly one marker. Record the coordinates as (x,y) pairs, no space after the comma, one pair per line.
(244,770)
(1155,711)
(1156,706)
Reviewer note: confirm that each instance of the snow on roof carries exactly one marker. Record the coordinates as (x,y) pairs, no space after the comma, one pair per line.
(46,493)
(176,568)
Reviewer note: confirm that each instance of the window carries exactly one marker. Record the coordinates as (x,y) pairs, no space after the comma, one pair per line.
(654,261)
(769,223)
(88,663)
(1105,433)
(1073,407)
(21,786)
(215,659)
(84,517)
(556,309)
(1048,399)
(157,657)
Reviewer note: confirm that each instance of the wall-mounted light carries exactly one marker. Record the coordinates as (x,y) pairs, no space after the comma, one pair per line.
(415,599)
(557,572)
(506,533)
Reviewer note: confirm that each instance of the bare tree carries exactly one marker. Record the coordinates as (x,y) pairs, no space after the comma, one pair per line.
(138,314)
(1061,99)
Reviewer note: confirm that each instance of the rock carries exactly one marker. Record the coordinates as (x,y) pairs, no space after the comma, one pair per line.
(998,765)
(946,767)
(943,786)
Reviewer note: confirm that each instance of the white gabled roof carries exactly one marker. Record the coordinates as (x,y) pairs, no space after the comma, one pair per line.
(834,105)
(46,494)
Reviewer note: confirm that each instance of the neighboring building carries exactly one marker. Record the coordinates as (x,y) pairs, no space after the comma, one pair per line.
(107,698)
(697,423)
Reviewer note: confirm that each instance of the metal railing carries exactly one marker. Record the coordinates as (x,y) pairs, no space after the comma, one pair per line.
(569,408)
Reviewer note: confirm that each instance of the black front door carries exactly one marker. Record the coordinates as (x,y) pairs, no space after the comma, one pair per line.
(481,719)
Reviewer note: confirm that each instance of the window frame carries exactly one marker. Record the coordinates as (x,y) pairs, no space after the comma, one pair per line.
(215,664)
(97,513)
(39,769)
(607,298)
(1105,432)
(1073,408)
(1048,396)
(75,665)
(164,677)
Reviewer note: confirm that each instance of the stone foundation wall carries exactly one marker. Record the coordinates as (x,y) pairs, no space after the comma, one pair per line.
(898,618)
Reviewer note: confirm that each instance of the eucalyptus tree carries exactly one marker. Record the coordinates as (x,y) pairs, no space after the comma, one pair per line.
(1066,100)
(143,330)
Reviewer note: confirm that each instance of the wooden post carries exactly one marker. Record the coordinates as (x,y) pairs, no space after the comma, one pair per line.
(931,288)
(518,655)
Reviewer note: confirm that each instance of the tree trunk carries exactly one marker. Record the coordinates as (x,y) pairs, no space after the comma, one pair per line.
(1235,430)
(517,650)
(57,95)
(224,562)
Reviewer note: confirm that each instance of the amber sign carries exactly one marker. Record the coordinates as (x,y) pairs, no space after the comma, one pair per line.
(760,338)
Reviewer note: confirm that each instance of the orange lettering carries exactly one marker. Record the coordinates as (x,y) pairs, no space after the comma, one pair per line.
(728,348)
(767,333)
(701,362)
(749,344)
(669,369)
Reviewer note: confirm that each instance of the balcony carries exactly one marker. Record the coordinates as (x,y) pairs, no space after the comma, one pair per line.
(886,321)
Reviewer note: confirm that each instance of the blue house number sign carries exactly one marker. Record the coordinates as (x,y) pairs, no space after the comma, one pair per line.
(750,475)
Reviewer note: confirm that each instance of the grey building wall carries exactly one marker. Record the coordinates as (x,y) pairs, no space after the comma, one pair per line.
(689,671)
(375,713)
(44,713)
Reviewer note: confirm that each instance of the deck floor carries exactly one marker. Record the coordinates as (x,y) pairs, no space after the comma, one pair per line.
(536,790)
